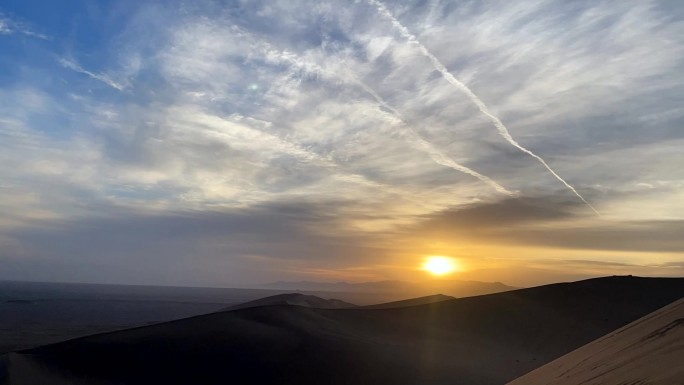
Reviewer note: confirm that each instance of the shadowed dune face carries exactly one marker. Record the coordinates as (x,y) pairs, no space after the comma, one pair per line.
(480,340)
(411,302)
(4,368)
(647,351)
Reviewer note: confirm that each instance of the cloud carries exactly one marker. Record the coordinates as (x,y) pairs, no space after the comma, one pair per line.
(550,222)
(171,244)
(9,27)
(240,111)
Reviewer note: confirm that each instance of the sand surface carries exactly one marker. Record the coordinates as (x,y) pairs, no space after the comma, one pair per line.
(647,351)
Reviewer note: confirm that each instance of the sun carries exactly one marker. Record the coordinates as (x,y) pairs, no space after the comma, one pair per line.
(439,265)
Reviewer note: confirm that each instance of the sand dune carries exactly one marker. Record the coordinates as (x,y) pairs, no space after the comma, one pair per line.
(647,351)
(411,302)
(38,313)
(481,340)
(296,299)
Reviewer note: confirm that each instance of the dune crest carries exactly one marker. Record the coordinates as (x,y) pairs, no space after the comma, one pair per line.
(295,299)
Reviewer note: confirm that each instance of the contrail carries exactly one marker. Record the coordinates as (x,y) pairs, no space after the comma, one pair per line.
(435,154)
(503,131)
(9,26)
(72,65)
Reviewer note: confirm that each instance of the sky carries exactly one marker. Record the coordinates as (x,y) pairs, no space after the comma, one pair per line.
(229,143)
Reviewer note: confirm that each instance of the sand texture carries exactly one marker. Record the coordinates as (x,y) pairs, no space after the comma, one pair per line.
(647,351)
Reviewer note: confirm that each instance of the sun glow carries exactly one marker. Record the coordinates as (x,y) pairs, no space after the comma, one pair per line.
(439,265)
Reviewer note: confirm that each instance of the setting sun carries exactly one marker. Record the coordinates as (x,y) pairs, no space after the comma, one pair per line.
(439,265)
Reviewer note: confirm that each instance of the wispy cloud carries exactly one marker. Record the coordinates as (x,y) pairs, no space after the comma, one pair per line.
(342,76)
(321,118)
(104,78)
(243,128)
(9,26)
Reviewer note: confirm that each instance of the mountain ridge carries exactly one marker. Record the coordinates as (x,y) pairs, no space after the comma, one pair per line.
(295,299)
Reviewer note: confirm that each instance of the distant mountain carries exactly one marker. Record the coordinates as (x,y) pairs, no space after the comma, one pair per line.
(411,302)
(296,299)
(336,286)
(400,288)
(647,351)
(484,340)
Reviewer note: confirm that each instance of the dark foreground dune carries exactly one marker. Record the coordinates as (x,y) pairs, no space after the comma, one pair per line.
(647,351)
(489,339)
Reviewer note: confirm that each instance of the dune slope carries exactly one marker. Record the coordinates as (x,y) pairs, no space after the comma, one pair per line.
(411,302)
(647,351)
(489,339)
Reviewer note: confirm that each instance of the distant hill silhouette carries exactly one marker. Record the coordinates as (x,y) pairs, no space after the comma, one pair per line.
(399,288)
(482,340)
(296,299)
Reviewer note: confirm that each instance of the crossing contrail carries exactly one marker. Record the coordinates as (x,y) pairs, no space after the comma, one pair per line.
(435,154)
(503,131)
